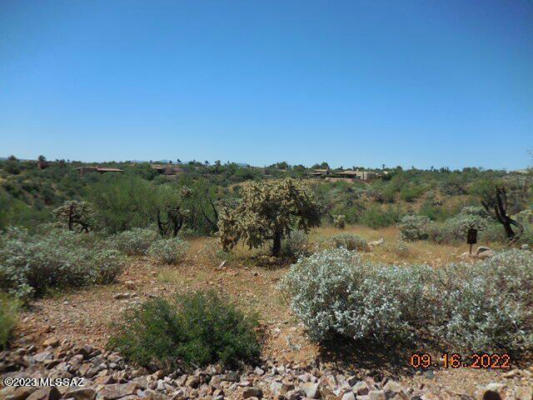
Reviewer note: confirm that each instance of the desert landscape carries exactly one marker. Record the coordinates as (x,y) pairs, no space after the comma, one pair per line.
(155,236)
(266,200)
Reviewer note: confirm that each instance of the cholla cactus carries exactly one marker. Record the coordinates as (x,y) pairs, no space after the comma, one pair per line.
(268,211)
(75,214)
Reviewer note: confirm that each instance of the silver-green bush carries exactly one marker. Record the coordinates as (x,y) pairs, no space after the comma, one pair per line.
(349,241)
(31,264)
(296,245)
(136,241)
(482,307)
(169,251)
(414,227)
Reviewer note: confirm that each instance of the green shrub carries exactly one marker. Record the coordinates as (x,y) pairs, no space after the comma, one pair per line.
(442,232)
(296,245)
(31,264)
(375,217)
(410,193)
(9,309)
(349,241)
(134,242)
(486,306)
(339,221)
(414,227)
(195,329)
(493,232)
(169,251)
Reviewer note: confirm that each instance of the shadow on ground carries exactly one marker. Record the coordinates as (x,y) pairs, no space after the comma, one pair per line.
(368,357)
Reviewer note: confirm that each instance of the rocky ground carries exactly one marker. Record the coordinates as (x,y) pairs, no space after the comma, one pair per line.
(107,377)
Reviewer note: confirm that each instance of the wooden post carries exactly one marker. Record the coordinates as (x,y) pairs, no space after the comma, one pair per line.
(471,238)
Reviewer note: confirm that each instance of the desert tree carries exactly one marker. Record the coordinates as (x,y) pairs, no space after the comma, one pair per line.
(494,198)
(170,212)
(75,215)
(268,211)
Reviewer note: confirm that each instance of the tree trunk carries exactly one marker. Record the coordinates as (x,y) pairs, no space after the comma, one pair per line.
(276,247)
(508,230)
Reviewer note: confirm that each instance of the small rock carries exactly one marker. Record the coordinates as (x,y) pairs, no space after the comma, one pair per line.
(81,394)
(348,396)
(360,388)
(130,285)
(393,387)
(310,389)
(45,393)
(377,395)
(42,356)
(53,342)
(252,392)
(117,390)
(193,381)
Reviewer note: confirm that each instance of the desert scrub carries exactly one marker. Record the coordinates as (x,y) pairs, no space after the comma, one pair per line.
(194,329)
(339,221)
(169,251)
(31,264)
(414,227)
(214,254)
(295,245)
(334,293)
(349,241)
(136,241)
(9,309)
(488,305)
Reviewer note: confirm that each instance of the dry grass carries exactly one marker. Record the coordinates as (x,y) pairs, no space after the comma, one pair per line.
(420,252)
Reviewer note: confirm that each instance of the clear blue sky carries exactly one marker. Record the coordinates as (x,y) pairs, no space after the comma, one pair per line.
(423,83)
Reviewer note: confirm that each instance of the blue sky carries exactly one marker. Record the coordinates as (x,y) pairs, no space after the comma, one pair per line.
(423,83)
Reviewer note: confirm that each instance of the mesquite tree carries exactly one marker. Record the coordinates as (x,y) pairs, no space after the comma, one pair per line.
(268,211)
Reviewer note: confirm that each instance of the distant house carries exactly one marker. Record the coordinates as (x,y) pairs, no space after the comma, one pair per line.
(167,169)
(346,175)
(42,164)
(320,172)
(100,170)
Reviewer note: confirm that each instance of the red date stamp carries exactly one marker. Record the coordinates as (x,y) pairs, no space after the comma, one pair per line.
(454,360)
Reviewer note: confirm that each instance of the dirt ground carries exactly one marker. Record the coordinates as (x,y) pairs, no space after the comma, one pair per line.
(85,316)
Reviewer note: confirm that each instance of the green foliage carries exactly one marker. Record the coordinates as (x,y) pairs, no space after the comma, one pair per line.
(339,221)
(123,202)
(31,264)
(9,310)
(195,330)
(486,306)
(136,241)
(377,217)
(410,193)
(169,251)
(414,227)
(268,211)
(350,242)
